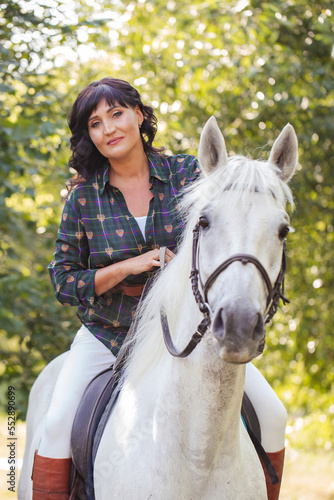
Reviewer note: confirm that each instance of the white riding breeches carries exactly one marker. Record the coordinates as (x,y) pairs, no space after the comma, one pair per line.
(270,411)
(86,358)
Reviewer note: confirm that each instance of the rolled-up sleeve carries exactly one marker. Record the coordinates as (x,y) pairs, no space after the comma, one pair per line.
(72,280)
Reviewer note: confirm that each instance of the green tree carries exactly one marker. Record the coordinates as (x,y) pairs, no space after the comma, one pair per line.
(33,157)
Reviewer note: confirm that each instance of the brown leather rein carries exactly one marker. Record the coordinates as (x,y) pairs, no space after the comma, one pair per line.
(275,293)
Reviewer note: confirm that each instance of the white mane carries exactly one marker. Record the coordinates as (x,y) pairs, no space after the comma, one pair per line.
(241,176)
(237,180)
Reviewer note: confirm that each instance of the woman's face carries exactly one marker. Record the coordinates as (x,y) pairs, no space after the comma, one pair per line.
(115,131)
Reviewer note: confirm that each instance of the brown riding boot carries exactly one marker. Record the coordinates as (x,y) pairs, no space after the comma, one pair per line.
(277,459)
(51,477)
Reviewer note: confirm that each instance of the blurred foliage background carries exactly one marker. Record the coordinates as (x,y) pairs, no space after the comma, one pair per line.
(255,65)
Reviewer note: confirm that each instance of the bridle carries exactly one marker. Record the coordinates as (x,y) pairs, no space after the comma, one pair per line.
(275,293)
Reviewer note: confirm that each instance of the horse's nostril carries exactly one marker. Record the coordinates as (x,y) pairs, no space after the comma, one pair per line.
(258,331)
(218,325)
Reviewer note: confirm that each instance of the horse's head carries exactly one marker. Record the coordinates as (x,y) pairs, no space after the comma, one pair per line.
(242,213)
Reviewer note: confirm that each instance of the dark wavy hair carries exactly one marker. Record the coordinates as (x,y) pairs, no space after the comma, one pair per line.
(86,159)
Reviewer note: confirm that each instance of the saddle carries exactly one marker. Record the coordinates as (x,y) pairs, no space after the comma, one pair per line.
(101,392)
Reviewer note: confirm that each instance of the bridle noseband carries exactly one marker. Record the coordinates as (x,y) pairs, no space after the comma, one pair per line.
(275,293)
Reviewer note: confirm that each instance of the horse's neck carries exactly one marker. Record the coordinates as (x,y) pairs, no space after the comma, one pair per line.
(205,396)
(201,395)
(193,404)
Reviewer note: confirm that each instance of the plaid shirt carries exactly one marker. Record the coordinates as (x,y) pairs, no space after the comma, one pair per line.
(97,230)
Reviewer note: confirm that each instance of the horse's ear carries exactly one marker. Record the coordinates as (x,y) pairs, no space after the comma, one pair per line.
(211,150)
(284,153)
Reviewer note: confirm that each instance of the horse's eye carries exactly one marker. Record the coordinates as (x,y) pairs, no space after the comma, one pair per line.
(283,232)
(203,221)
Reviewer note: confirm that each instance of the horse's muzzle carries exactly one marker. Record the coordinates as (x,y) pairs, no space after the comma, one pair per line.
(238,333)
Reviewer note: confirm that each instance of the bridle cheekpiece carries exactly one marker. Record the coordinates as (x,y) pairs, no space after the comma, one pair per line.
(275,293)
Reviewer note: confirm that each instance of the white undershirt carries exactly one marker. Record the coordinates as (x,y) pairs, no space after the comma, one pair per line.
(141,221)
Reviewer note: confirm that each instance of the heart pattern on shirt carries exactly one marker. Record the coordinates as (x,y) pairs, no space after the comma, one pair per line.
(84,225)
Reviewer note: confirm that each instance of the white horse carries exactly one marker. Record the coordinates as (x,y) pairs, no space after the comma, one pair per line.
(176,431)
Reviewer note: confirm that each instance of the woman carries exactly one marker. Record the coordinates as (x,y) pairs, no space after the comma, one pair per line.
(123,205)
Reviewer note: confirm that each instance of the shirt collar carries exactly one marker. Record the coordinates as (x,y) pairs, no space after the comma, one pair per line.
(101,178)
(159,168)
